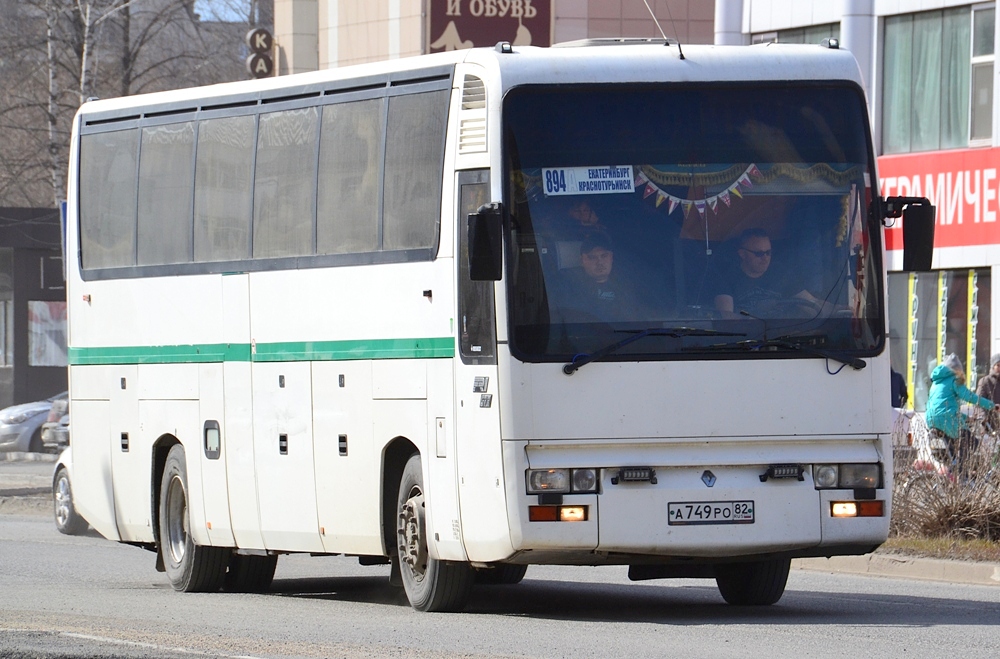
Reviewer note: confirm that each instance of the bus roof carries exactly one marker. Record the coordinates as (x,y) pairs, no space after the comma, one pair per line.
(624,61)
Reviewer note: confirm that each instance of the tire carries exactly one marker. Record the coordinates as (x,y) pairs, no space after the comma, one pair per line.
(68,521)
(430,584)
(249,574)
(501,574)
(35,445)
(190,567)
(753,584)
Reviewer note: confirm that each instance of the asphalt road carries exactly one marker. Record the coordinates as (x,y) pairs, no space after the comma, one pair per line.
(85,596)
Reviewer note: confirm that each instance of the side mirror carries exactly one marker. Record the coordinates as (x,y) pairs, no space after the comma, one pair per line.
(486,243)
(918,230)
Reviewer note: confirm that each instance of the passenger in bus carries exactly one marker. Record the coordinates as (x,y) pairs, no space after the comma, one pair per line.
(752,288)
(594,291)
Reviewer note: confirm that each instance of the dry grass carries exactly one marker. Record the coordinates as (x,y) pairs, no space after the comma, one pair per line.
(949,548)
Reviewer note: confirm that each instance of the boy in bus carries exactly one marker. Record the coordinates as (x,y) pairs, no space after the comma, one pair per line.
(752,288)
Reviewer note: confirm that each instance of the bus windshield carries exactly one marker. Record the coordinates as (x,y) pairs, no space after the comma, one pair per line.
(707,221)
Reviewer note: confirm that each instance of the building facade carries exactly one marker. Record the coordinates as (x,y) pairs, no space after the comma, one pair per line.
(32,306)
(321,34)
(929,70)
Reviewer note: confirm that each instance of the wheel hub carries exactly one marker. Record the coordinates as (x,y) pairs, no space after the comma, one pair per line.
(177,530)
(412,547)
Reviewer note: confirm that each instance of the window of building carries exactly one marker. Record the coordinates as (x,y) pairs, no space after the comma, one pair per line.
(937,79)
(932,314)
(812,34)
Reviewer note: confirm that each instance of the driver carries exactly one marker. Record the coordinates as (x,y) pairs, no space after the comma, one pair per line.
(754,288)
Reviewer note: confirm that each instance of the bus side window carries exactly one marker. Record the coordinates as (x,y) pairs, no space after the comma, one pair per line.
(476,313)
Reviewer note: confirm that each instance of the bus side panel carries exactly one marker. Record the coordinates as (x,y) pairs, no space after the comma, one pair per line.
(130,457)
(93,493)
(213,471)
(177,418)
(441,461)
(485,526)
(238,452)
(283,454)
(347,483)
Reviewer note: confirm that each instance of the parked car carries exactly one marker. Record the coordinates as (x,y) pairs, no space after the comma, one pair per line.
(55,434)
(21,425)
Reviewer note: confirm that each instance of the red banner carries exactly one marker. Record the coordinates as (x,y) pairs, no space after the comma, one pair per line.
(964,186)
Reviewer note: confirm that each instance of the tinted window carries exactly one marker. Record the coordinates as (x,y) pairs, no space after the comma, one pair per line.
(223,189)
(414,161)
(166,164)
(107,198)
(284,186)
(349,168)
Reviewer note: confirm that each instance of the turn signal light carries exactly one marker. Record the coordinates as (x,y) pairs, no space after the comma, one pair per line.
(557,513)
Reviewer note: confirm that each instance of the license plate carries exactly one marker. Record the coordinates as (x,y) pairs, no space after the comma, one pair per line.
(710,512)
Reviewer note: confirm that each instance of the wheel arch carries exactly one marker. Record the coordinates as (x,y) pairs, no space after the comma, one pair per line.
(394,457)
(161,447)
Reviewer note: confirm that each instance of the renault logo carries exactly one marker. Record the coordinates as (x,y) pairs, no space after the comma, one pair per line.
(708,478)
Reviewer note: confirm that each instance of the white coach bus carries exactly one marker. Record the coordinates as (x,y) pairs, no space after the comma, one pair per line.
(597,304)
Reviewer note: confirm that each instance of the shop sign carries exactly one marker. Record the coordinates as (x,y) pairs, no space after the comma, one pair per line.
(963,184)
(458,24)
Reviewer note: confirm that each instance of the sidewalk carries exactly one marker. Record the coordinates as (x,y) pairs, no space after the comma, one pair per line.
(898,566)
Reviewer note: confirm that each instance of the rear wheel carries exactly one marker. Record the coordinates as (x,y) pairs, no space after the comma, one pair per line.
(753,584)
(249,574)
(68,521)
(190,567)
(430,584)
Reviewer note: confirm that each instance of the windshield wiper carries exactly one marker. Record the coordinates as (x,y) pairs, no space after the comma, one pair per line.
(673,332)
(789,343)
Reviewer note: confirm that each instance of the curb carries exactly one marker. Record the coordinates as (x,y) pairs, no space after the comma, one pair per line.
(906,567)
(19,456)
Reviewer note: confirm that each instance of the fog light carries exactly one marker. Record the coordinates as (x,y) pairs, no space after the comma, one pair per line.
(548,480)
(825,476)
(584,480)
(858,476)
(573,513)
(844,509)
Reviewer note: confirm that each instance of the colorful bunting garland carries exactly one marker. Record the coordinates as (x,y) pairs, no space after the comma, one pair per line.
(743,182)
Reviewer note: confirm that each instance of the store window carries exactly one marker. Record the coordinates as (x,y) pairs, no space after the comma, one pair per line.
(937,79)
(932,314)
(812,34)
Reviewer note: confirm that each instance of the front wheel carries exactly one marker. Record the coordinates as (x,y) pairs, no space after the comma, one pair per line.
(190,567)
(68,521)
(753,584)
(430,584)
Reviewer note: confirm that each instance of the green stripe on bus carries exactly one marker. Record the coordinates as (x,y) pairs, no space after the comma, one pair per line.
(427,348)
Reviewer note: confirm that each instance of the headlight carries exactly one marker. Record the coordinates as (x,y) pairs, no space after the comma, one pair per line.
(847,476)
(17,417)
(584,480)
(859,475)
(825,476)
(548,480)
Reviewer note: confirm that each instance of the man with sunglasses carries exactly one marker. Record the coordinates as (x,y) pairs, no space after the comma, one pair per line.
(752,288)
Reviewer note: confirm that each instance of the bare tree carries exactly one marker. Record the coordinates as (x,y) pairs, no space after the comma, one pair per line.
(58,53)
